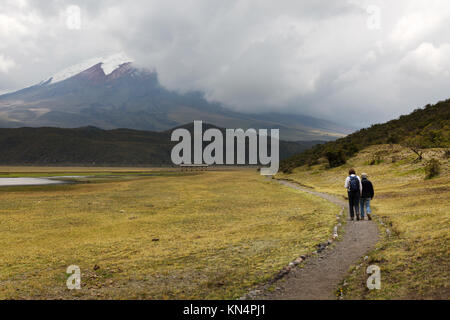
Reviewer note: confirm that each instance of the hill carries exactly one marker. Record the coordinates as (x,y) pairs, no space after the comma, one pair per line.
(424,128)
(94,146)
(129,97)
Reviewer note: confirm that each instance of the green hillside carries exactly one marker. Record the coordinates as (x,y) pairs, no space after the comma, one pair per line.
(428,127)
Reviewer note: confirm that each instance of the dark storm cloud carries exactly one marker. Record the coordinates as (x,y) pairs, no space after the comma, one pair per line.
(325,58)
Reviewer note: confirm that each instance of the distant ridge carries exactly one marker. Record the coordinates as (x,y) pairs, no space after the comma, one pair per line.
(94,146)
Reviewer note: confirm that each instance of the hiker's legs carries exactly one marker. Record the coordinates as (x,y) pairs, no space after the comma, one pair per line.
(356,204)
(350,205)
(362,203)
(368,209)
(368,206)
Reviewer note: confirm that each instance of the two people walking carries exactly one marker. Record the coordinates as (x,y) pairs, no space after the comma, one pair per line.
(360,192)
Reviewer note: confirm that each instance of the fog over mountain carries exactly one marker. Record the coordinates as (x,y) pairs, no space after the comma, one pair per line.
(113,93)
(352,62)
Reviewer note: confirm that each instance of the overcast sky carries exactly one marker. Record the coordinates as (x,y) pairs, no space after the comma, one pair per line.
(357,62)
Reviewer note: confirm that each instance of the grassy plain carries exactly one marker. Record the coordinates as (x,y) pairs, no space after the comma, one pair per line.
(167,236)
(413,253)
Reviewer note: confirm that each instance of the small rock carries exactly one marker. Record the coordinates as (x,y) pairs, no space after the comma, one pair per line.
(303,257)
(122,211)
(256,292)
(282,273)
(291,264)
(388,232)
(298,260)
(366,257)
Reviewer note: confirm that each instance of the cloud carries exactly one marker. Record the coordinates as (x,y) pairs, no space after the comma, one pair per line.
(319,58)
(427,61)
(6,64)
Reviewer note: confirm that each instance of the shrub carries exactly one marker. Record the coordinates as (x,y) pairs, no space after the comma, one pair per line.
(432,168)
(394,159)
(313,162)
(393,139)
(377,158)
(287,171)
(447,154)
(335,158)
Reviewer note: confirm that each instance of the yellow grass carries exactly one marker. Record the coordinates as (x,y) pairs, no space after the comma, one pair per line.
(414,259)
(219,233)
(15,169)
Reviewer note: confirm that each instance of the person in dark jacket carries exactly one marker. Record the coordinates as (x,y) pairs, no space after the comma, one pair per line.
(366,195)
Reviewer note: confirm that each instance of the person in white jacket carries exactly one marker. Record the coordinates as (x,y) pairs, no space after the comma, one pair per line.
(354,189)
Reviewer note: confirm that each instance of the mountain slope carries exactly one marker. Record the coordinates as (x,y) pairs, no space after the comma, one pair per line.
(427,127)
(94,146)
(127,97)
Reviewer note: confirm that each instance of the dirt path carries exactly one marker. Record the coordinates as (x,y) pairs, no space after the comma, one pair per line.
(321,274)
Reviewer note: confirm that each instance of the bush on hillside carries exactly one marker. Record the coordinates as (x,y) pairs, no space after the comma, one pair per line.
(416,144)
(393,139)
(432,169)
(376,159)
(335,158)
(447,154)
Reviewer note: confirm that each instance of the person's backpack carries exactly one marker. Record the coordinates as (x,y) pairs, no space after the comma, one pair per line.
(354,184)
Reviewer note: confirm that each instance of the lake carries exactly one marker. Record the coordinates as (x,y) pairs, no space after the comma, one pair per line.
(4,182)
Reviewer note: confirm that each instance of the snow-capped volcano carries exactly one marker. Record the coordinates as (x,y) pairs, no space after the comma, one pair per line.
(108,64)
(111,93)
